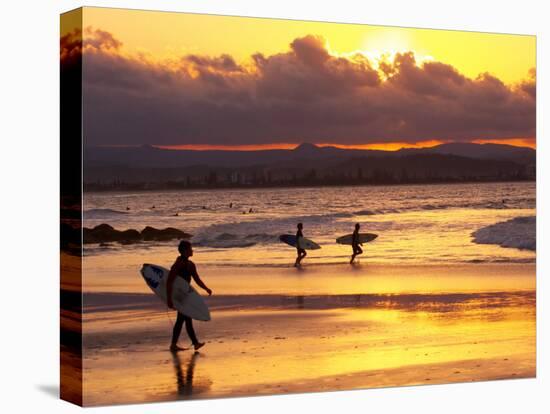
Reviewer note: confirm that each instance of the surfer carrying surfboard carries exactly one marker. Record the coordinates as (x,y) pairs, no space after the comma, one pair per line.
(301,252)
(185,268)
(356,243)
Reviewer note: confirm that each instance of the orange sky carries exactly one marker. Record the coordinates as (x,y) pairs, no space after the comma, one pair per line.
(169,35)
(159,41)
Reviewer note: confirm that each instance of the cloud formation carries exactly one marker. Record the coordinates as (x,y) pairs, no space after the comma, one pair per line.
(303,94)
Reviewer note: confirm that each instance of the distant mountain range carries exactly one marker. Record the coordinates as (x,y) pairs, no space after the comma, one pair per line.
(307,164)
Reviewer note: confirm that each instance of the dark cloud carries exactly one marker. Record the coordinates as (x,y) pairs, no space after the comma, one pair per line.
(304,94)
(529,86)
(432,79)
(308,73)
(223,63)
(70,47)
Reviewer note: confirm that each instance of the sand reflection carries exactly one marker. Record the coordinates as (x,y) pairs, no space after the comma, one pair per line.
(185,375)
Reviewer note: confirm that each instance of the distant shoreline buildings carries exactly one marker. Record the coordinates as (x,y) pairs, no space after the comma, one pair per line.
(153,169)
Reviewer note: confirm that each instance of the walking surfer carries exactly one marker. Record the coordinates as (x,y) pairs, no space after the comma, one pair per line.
(355,243)
(185,268)
(301,253)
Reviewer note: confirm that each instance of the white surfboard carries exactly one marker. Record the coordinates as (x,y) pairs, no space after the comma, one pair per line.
(305,244)
(184,297)
(363,238)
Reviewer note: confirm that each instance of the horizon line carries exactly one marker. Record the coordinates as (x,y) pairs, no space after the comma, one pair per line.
(392,146)
(380,146)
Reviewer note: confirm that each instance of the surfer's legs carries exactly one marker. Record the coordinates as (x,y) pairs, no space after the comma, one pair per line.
(301,254)
(190,330)
(177,328)
(356,251)
(181,319)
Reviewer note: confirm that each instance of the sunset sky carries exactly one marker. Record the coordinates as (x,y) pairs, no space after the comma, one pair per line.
(184,80)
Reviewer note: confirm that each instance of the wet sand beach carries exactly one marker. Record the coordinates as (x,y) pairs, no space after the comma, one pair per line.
(312,331)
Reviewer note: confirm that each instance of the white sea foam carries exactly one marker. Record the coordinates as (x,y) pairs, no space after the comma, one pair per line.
(519,232)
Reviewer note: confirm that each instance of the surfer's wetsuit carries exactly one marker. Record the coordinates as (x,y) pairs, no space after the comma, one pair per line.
(299,235)
(185,268)
(300,250)
(355,243)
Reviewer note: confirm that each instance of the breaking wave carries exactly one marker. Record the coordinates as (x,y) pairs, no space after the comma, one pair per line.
(267,231)
(519,233)
(230,240)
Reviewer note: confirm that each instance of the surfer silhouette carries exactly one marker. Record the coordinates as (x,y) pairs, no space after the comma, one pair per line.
(185,268)
(355,243)
(301,253)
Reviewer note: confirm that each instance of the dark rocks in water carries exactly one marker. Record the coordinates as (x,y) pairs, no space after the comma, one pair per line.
(130,235)
(169,233)
(105,233)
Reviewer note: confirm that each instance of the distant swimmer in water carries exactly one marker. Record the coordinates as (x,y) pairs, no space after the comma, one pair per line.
(301,253)
(185,268)
(153,207)
(355,243)
(127,208)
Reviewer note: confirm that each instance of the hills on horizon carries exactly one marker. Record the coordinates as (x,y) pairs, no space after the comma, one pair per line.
(149,167)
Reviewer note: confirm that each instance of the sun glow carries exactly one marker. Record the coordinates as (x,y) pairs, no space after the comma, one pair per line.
(386,146)
(376,57)
(172,35)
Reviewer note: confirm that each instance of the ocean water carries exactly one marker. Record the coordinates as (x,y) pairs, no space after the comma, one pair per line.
(446,293)
(416,224)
